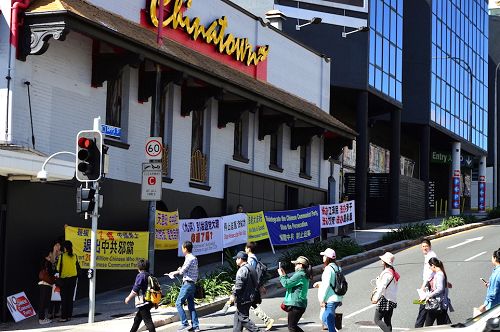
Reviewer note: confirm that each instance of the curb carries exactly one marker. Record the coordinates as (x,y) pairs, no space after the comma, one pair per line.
(273,286)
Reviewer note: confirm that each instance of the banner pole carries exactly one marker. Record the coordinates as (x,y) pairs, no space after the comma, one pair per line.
(272,246)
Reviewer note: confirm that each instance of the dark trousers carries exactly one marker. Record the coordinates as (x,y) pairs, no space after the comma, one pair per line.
(45,293)
(54,308)
(241,319)
(440,316)
(67,291)
(294,316)
(383,319)
(143,314)
(422,315)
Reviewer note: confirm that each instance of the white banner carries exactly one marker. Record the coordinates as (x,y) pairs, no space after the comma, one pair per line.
(20,307)
(235,229)
(205,234)
(335,215)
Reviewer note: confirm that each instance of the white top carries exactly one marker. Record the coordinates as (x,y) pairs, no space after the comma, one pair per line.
(386,286)
(427,273)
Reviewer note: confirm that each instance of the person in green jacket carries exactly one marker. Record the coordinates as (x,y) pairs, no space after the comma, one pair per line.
(296,291)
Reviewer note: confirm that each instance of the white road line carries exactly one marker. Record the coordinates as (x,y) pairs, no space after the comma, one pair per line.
(378,328)
(471,258)
(466,242)
(360,311)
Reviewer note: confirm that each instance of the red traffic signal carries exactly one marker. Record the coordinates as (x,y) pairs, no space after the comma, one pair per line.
(88,155)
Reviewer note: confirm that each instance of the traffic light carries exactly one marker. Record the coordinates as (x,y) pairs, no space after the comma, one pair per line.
(85,200)
(88,155)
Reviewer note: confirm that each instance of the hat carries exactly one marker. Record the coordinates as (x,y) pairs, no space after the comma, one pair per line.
(387,258)
(301,260)
(329,252)
(241,254)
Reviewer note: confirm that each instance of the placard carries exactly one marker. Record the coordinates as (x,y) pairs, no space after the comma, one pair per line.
(166,230)
(293,226)
(205,234)
(335,215)
(20,307)
(234,229)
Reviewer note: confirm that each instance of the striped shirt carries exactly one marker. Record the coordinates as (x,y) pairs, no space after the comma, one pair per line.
(189,269)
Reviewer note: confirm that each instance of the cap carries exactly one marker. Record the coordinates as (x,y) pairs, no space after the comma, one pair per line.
(387,258)
(301,260)
(329,252)
(241,254)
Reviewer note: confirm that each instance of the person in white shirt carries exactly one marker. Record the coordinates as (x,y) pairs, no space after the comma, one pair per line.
(386,292)
(427,275)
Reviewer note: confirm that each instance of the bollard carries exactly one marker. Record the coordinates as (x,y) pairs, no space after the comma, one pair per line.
(446,208)
(436,209)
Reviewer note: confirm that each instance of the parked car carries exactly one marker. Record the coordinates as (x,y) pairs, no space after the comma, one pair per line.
(488,321)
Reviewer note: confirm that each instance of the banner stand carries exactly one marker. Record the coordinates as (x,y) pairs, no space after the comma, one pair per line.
(272,247)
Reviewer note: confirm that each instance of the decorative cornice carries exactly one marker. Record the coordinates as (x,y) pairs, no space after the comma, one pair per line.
(39,36)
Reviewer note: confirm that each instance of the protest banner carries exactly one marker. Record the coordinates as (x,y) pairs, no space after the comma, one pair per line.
(166,230)
(335,215)
(20,307)
(234,230)
(257,228)
(116,250)
(293,226)
(205,234)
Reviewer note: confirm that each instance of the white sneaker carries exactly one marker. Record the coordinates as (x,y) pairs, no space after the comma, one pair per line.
(44,321)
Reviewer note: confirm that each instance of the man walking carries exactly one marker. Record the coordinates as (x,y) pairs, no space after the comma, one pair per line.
(257,308)
(189,272)
(243,293)
(426,276)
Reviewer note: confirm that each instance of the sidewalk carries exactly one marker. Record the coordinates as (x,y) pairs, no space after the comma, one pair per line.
(112,314)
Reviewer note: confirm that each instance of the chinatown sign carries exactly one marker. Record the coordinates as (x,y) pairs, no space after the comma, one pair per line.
(239,48)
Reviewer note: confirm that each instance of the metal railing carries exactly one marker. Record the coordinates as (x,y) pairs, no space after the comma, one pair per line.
(198,167)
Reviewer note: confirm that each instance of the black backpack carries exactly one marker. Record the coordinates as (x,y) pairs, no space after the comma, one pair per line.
(261,270)
(340,287)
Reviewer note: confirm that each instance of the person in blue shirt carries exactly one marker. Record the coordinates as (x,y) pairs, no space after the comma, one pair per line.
(493,292)
(138,292)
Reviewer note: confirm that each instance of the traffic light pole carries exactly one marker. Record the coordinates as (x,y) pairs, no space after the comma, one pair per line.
(93,241)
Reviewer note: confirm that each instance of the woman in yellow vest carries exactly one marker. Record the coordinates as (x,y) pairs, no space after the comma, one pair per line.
(68,267)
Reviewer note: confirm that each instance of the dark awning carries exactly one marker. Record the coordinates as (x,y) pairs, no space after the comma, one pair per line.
(55,18)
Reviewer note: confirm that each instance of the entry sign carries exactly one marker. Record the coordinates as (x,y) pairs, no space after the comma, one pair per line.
(154,150)
(20,307)
(151,182)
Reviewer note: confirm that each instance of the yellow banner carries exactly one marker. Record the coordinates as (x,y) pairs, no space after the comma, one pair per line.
(166,230)
(257,228)
(116,250)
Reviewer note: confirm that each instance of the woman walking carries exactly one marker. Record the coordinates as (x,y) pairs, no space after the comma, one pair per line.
(46,280)
(493,284)
(438,294)
(296,291)
(138,291)
(68,268)
(385,293)
(329,301)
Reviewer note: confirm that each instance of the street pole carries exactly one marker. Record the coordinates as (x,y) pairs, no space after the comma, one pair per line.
(495,144)
(93,241)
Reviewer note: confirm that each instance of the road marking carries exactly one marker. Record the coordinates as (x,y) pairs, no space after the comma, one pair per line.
(471,258)
(360,311)
(466,241)
(378,328)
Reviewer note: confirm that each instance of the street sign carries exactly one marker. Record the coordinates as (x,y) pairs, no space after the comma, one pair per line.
(154,150)
(151,182)
(111,131)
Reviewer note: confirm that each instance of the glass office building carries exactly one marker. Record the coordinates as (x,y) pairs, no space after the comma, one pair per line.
(386,47)
(459,51)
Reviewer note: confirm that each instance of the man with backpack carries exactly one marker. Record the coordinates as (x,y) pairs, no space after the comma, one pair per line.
(244,293)
(261,270)
(332,288)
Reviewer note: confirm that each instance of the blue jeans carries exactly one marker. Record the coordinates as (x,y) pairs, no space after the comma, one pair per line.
(329,316)
(187,294)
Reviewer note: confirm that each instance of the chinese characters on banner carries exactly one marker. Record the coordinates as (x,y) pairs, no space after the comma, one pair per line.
(20,307)
(235,229)
(293,226)
(116,250)
(335,215)
(257,227)
(166,230)
(205,234)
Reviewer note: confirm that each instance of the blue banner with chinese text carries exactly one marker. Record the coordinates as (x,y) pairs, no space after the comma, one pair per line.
(293,226)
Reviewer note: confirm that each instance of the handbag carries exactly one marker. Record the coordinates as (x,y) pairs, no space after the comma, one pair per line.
(285,307)
(434,304)
(199,291)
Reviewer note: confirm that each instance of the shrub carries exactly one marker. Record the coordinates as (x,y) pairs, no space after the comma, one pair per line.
(494,213)
(452,221)
(469,218)
(311,251)
(409,232)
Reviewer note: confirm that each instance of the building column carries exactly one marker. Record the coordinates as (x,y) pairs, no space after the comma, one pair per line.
(362,145)
(425,152)
(481,184)
(455,179)
(395,165)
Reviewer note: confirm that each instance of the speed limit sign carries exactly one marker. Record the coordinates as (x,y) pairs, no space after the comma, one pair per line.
(154,148)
